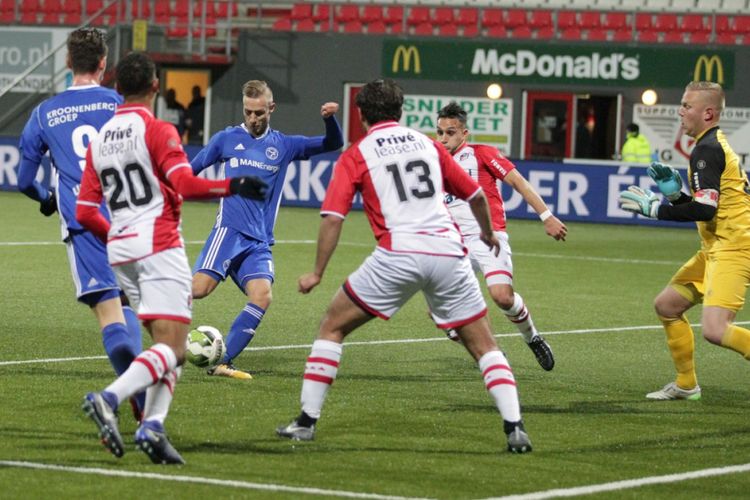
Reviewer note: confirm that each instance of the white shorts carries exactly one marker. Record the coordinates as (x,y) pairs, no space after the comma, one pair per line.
(497,270)
(386,280)
(159,286)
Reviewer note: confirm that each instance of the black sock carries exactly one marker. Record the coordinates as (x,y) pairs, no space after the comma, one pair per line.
(509,427)
(306,420)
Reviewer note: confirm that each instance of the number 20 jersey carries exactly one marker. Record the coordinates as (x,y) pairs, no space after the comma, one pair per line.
(133,157)
(65,125)
(401,174)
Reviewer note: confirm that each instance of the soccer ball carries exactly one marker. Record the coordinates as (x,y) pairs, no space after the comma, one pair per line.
(205,346)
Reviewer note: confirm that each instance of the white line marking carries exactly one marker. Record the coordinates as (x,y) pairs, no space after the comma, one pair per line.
(617,260)
(437,338)
(627,484)
(201,480)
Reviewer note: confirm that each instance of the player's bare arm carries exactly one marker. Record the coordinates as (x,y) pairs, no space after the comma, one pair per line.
(552,225)
(329,109)
(328,238)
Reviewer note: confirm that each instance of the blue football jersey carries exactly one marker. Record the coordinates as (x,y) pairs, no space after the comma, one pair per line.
(64,125)
(239,154)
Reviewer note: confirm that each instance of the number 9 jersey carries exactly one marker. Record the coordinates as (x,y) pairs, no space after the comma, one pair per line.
(129,165)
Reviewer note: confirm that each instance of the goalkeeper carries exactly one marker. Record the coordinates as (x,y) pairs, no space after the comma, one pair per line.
(719,273)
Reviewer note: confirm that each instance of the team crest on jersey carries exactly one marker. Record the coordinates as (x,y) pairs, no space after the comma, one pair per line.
(464,156)
(700,165)
(272,153)
(225,264)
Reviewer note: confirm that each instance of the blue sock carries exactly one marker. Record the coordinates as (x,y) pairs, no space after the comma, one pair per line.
(242,330)
(136,341)
(118,347)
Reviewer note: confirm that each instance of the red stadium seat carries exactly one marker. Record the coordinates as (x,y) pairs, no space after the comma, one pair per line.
(541,19)
(372,13)
(492,17)
(516,18)
(623,35)
(282,24)
(181,9)
(394,14)
(448,30)
(497,31)
(470,31)
(93,6)
(224,9)
(376,28)
(396,28)
(305,25)
(726,39)
(742,24)
(665,22)
(673,37)
(693,22)
(322,12)
(723,25)
(423,29)
(615,20)
(347,13)
(547,33)
(590,19)
(597,35)
(418,15)
(643,22)
(198,9)
(467,17)
(647,36)
(699,37)
(522,32)
(300,11)
(443,15)
(570,34)
(353,27)
(566,19)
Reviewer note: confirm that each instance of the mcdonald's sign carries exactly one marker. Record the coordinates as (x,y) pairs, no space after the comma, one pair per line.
(707,65)
(404,56)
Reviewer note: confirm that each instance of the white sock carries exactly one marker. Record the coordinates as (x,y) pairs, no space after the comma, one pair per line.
(146,370)
(499,380)
(320,372)
(159,396)
(521,317)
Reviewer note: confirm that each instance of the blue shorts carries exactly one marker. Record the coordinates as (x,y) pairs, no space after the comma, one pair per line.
(228,252)
(89,266)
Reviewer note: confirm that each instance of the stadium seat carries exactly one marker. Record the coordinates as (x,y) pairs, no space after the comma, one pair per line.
(722,24)
(541,19)
(282,24)
(742,24)
(423,29)
(372,14)
(443,15)
(623,35)
(673,37)
(497,31)
(305,25)
(347,13)
(322,12)
(566,19)
(615,20)
(467,17)
(394,14)
(570,34)
(299,12)
(376,28)
(492,17)
(547,33)
(470,30)
(354,26)
(326,26)
(224,9)
(181,9)
(522,32)
(589,19)
(699,37)
(643,22)
(93,6)
(693,22)
(448,30)
(597,35)
(515,18)
(726,39)
(210,29)
(647,36)
(198,9)
(418,15)
(665,22)
(396,28)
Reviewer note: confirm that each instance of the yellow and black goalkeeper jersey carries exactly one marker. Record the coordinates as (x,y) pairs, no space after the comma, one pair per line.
(714,166)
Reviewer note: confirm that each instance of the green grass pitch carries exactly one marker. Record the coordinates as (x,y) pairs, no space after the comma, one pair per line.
(404,419)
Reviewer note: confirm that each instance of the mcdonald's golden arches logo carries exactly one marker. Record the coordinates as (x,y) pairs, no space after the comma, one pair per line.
(405,55)
(708,64)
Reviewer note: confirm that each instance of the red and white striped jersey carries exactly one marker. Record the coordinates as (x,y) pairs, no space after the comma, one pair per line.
(402,175)
(486,165)
(129,164)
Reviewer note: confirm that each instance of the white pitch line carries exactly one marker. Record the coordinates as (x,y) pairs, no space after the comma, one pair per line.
(437,338)
(201,480)
(627,484)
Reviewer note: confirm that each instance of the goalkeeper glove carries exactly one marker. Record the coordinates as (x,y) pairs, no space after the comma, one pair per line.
(49,206)
(248,187)
(667,179)
(640,201)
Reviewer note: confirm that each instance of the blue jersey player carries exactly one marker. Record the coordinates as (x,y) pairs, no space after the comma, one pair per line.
(239,244)
(63,125)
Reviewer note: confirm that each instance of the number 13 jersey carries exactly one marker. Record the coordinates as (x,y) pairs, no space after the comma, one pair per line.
(401,174)
(133,156)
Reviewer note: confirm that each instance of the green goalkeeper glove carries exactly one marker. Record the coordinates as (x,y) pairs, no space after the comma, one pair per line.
(640,201)
(667,179)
